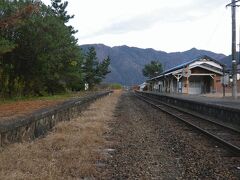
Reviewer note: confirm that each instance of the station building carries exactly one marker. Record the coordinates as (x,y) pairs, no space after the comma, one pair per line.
(199,76)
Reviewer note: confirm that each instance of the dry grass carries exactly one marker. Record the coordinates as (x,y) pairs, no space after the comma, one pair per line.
(10,109)
(24,108)
(69,152)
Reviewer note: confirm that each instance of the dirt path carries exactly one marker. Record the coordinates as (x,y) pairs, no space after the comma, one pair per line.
(148,145)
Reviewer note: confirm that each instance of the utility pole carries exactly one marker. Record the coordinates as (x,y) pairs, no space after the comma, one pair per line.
(234,55)
(238,61)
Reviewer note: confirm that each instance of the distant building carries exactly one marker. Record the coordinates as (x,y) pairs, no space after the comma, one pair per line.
(199,76)
(143,86)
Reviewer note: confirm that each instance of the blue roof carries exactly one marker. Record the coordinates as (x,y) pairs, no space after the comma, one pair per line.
(190,62)
(187,63)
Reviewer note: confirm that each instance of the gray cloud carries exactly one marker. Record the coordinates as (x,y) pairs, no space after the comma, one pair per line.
(193,11)
(144,21)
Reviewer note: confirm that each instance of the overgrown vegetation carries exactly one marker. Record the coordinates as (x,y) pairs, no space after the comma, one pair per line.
(39,54)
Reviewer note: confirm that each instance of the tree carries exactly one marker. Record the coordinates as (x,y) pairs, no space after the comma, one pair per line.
(102,69)
(94,71)
(38,53)
(152,69)
(5,46)
(12,15)
(59,9)
(17,16)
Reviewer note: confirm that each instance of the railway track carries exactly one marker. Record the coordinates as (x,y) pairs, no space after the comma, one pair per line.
(227,136)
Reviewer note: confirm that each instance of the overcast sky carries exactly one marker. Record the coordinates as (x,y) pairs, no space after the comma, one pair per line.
(167,25)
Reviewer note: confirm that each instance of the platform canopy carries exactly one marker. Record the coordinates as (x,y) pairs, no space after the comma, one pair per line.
(207,63)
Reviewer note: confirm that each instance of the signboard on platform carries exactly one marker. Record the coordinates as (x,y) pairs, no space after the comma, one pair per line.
(186,72)
(225,79)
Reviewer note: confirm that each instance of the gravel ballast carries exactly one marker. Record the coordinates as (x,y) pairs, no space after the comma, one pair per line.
(149,144)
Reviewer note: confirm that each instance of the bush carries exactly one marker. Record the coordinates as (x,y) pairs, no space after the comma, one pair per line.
(116,86)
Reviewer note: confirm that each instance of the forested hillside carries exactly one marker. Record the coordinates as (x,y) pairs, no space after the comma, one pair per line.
(127,62)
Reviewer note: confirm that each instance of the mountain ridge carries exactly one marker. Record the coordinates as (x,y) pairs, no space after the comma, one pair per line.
(127,62)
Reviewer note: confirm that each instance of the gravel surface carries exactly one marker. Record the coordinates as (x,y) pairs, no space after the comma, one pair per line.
(151,145)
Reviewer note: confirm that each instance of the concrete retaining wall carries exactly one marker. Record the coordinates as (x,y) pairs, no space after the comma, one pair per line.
(40,122)
(221,113)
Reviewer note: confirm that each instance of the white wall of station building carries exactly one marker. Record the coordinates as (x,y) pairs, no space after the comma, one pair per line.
(205,75)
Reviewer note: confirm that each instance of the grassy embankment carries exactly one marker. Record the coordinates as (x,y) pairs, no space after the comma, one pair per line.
(71,151)
(46,97)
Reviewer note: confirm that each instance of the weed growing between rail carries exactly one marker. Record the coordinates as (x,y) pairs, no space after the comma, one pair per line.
(69,152)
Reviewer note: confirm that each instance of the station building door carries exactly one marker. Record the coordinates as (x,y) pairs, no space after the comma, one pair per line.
(195,85)
(200,84)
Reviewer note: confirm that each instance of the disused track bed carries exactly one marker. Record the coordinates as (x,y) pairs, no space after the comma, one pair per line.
(227,136)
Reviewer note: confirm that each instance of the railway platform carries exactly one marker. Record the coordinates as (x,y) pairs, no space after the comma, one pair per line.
(214,99)
(221,109)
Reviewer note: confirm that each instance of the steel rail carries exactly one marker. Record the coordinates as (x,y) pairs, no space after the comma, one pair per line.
(234,149)
(194,114)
